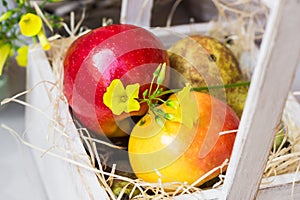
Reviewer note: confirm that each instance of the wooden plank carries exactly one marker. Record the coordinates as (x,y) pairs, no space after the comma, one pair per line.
(136,12)
(61,179)
(291,114)
(282,187)
(170,35)
(271,81)
(281,192)
(211,194)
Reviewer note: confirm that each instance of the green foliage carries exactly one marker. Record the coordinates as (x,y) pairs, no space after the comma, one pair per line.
(9,29)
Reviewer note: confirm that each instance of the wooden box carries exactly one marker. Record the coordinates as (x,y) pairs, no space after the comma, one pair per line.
(66,169)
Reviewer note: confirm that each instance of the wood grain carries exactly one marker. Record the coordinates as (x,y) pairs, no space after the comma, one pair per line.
(272,78)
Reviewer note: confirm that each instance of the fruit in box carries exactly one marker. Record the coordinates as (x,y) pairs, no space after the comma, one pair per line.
(176,152)
(204,61)
(93,61)
(98,64)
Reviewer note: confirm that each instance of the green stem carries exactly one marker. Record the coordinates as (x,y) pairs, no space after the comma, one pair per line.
(150,88)
(213,87)
(156,97)
(222,86)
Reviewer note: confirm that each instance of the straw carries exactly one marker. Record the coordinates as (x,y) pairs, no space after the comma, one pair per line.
(242,21)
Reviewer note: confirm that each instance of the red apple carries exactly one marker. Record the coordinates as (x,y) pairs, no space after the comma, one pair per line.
(177,153)
(93,61)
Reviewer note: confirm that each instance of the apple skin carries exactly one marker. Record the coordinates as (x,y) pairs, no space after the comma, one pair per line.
(174,151)
(119,51)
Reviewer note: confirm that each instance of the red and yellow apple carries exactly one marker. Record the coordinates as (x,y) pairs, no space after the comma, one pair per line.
(176,153)
(93,61)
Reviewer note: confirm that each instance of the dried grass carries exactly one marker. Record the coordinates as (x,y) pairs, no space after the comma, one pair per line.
(237,21)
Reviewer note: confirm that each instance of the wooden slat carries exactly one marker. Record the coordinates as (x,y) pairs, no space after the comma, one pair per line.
(282,187)
(61,179)
(136,12)
(170,35)
(271,81)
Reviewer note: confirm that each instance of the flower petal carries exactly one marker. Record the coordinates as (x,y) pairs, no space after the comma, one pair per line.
(30,24)
(112,96)
(43,40)
(4,52)
(132,105)
(132,92)
(189,108)
(22,56)
(118,107)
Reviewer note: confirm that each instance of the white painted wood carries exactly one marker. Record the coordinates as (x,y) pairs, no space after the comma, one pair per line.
(170,35)
(270,84)
(211,194)
(269,3)
(292,111)
(283,187)
(62,180)
(136,12)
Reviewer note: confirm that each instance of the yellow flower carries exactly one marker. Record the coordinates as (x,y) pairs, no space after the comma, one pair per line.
(30,24)
(43,40)
(4,53)
(22,56)
(121,100)
(188,106)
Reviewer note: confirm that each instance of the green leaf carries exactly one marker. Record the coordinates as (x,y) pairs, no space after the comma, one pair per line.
(157,70)
(159,91)
(161,75)
(145,93)
(171,117)
(4,3)
(159,121)
(160,112)
(142,122)
(6,15)
(173,104)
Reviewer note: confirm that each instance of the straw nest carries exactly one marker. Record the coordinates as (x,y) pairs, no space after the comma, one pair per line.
(243,23)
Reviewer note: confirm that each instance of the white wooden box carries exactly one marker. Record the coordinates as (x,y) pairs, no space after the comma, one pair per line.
(65,167)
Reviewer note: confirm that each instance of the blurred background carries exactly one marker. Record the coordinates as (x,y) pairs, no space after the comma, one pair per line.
(96,10)
(19,178)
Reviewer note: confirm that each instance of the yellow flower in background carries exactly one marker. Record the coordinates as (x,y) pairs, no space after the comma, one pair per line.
(22,56)
(119,99)
(43,40)
(23,19)
(5,50)
(30,24)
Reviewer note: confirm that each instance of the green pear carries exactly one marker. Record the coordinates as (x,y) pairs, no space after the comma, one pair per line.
(204,61)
